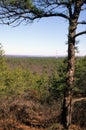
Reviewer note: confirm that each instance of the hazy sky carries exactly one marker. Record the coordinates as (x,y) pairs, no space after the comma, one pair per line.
(46,37)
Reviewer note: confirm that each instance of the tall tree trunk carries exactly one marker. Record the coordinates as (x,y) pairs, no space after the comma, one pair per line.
(67,102)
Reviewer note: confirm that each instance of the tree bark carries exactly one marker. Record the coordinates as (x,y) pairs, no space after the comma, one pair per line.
(67,102)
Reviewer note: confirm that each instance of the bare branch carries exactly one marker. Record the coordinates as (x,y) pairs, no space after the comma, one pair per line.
(82,22)
(80,33)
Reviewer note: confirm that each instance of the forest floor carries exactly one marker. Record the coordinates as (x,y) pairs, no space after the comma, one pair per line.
(20,114)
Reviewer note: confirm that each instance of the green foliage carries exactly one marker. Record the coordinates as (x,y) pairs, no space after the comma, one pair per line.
(43,86)
(58,79)
(21,3)
(1,56)
(3,65)
(46,77)
(80,74)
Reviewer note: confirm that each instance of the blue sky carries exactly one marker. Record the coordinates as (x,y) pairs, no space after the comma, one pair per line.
(45,37)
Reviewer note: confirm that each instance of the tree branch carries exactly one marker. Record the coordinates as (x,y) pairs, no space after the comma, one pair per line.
(83,22)
(80,33)
(12,14)
(56,14)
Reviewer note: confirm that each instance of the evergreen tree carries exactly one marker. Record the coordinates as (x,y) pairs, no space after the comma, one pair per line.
(17,11)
